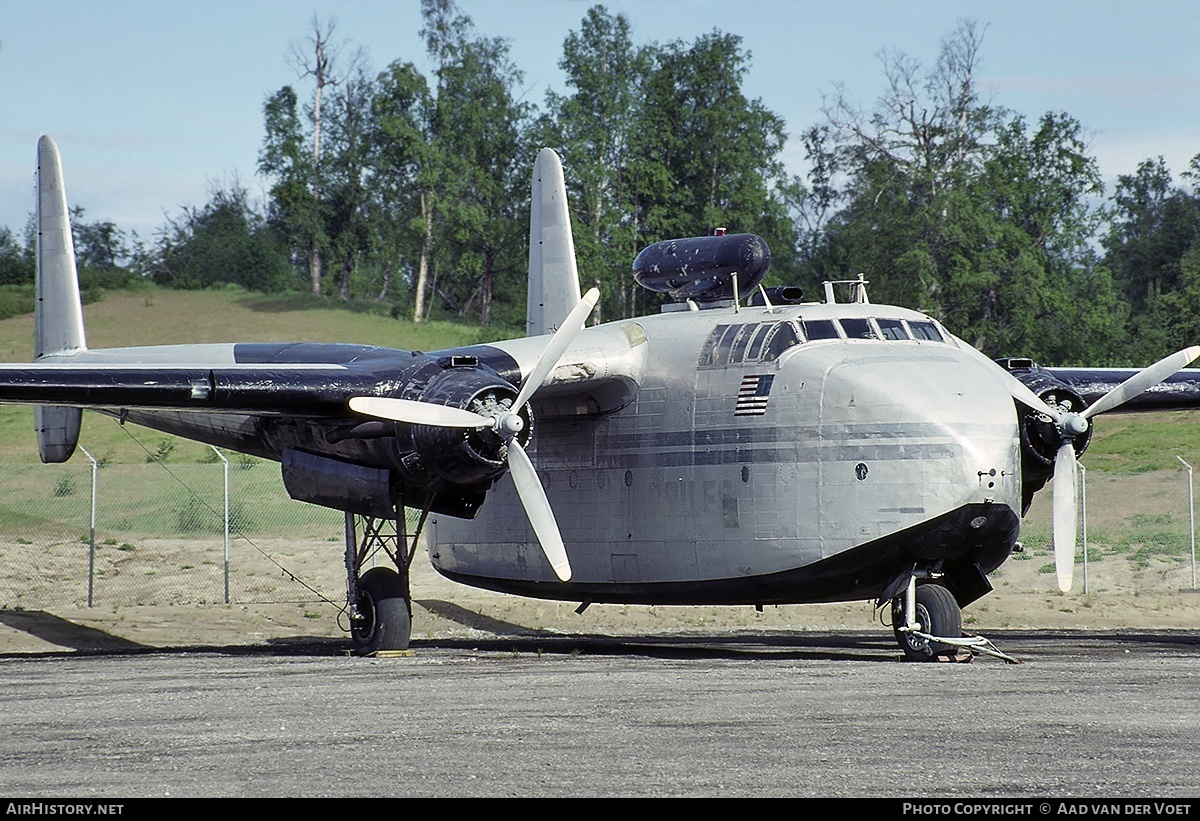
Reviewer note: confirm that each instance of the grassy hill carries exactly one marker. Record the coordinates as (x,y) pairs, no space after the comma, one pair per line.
(1123,443)
(155,316)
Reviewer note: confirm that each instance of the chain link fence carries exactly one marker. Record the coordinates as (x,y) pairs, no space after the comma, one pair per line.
(160,535)
(1137,532)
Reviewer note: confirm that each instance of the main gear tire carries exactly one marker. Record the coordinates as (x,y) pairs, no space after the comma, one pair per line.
(385,613)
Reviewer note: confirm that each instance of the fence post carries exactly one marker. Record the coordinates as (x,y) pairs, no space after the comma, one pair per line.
(92,529)
(225,462)
(1191,517)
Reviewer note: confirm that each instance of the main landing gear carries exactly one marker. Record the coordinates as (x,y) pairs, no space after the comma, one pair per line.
(379,600)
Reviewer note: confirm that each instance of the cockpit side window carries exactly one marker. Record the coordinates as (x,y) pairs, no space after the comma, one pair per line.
(925,330)
(820,329)
(712,345)
(721,356)
(754,348)
(741,342)
(858,329)
(752,342)
(784,336)
(892,329)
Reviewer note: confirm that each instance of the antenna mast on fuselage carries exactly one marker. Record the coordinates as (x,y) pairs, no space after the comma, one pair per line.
(858,290)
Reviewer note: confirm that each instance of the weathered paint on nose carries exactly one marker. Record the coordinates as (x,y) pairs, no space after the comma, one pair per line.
(908,435)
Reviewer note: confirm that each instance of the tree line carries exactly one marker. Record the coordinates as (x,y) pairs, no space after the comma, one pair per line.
(411,192)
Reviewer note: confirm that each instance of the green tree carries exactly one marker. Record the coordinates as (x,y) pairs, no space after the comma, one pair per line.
(964,211)
(705,156)
(17,264)
(593,128)
(1153,231)
(347,196)
(294,154)
(406,169)
(478,127)
(97,244)
(294,212)
(223,242)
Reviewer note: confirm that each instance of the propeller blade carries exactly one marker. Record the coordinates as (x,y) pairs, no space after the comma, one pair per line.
(558,345)
(1021,392)
(529,487)
(417,413)
(1064,515)
(1141,381)
(1018,389)
(537,508)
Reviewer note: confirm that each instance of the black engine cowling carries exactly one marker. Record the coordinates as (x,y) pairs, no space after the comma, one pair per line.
(1040,438)
(367,465)
(465,457)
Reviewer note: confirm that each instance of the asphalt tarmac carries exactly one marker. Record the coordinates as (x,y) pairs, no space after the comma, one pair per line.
(783,714)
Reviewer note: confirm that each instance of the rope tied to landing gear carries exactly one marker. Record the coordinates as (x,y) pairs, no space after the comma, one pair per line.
(973,644)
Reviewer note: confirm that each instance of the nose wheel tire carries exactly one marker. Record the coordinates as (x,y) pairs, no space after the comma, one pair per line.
(937,614)
(385,621)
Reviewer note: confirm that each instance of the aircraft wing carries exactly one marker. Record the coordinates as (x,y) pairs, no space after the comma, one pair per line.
(316,380)
(293,380)
(1180,391)
(321,390)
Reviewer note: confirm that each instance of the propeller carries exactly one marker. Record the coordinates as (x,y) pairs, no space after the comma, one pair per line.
(1071,425)
(507,424)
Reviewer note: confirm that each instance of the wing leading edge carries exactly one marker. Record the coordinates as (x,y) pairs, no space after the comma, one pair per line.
(1181,391)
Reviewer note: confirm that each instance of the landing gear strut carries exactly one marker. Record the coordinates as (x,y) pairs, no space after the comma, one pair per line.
(928,624)
(923,614)
(379,600)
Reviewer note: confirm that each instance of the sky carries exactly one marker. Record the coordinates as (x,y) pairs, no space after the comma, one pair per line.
(155,103)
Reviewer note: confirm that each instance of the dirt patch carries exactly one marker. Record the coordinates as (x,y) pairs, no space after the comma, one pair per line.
(1119,596)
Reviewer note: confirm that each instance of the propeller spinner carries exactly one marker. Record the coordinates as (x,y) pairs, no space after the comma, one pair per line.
(1071,425)
(507,423)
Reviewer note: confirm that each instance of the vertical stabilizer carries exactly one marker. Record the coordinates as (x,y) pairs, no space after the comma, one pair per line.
(58,321)
(553,276)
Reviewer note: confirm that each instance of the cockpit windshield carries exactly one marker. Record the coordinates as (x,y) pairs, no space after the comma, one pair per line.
(758,342)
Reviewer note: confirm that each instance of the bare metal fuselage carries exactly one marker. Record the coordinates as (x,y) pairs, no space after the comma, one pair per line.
(678,473)
(867,456)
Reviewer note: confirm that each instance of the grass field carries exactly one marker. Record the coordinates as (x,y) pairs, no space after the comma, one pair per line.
(153,316)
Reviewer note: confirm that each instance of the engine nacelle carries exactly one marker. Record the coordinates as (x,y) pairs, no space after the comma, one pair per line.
(462,456)
(1040,438)
(703,268)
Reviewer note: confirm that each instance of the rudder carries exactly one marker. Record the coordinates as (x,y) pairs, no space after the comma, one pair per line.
(553,275)
(58,318)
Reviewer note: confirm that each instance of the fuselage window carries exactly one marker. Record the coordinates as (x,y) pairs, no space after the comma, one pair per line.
(712,345)
(754,349)
(925,330)
(858,329)
(741,343)
(820,329)
(892,329)
(784,336)
(721,356)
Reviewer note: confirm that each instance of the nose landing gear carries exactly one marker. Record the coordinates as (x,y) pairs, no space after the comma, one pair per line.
(920,615)
(927,622)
